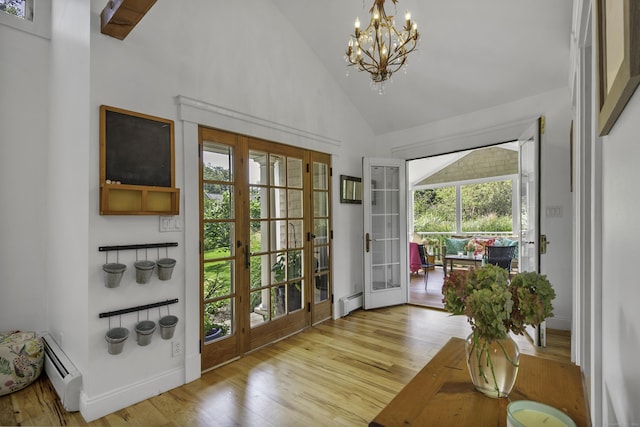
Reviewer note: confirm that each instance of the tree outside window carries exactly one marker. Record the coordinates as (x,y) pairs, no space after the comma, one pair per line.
(486,207)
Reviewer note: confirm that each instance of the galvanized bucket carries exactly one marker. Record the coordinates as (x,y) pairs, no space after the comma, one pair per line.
(165,268)
(113,273)
(144,270)
(144,331)
(167,326)
(116,337)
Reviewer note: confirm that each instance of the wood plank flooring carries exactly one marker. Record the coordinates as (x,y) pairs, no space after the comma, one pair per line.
(339,373)
(432,295)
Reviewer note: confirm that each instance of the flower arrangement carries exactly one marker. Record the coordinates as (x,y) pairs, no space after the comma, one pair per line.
(470,247)
(494,305)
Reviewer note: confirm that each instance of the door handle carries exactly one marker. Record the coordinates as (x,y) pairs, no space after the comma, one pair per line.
(543,243)
(367,240)
(247,259)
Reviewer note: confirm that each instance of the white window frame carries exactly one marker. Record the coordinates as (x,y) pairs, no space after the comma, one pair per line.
(39,25)
(515,219)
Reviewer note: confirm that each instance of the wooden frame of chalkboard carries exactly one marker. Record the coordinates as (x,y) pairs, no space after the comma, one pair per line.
(137,155)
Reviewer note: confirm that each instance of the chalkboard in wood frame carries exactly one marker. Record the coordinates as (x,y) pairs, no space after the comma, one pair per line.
(137,155)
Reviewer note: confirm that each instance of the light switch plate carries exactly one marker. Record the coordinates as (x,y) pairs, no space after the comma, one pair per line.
(170,223)
(554,211)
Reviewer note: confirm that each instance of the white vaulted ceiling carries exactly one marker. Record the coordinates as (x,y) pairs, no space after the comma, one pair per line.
(474,54)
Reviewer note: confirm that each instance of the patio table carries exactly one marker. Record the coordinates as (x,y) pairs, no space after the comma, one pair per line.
(460,259)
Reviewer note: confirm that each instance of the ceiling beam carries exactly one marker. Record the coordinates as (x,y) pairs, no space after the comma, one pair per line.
(119,17)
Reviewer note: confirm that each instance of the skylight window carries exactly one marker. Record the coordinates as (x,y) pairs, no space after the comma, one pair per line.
(20,8)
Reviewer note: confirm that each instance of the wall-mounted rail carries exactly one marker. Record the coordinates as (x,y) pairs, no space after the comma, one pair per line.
(138,308)
(142,246)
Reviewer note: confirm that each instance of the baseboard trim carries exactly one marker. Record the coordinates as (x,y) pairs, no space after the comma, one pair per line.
(96,407)
(560,323)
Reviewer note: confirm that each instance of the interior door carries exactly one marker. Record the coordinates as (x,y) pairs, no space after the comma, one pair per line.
(321,236)
(529,252)
(385,233)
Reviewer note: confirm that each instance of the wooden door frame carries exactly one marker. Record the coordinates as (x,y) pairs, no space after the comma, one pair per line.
(245,340)
(323,310)
(227,348)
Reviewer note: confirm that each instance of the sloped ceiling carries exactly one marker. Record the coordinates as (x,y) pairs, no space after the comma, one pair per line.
(473,55)
(477,164)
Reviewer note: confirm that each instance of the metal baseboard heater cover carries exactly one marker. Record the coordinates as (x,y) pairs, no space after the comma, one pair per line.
(350,303)
(62,373)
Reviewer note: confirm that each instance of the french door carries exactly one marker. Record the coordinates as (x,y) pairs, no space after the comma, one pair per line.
(529,253)
(321,236)
(385,233)
(266,246)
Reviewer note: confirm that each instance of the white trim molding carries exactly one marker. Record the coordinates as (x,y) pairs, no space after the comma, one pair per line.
(114,400)
(204,113)
(469,139)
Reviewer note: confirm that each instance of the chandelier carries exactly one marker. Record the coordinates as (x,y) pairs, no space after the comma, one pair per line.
(381,49)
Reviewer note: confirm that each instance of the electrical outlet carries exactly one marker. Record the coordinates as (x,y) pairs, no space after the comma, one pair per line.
(176,348)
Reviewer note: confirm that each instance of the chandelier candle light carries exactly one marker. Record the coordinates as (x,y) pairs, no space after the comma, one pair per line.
(381,49)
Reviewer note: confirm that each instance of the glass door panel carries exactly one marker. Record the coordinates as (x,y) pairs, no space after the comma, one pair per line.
(218,263)
(321,237)
(385,235)
(529,252)
(277,241)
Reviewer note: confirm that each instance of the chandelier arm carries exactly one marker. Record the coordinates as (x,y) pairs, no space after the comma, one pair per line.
(371,68)
(374,45)
(366,53)
(399,52)
(361,63)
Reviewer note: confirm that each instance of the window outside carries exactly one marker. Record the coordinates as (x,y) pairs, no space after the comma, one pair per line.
(17,8)
(486,207)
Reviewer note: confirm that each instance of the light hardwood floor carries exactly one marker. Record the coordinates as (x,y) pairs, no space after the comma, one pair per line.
(339,373)
(431,296)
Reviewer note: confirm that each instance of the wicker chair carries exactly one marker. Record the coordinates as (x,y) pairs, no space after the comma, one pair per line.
(502,256)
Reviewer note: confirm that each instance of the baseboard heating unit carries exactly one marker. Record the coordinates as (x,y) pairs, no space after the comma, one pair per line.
(350,303)
(62,373)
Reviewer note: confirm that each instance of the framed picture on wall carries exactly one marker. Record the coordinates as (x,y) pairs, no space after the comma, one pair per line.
(618,57)
(350,189)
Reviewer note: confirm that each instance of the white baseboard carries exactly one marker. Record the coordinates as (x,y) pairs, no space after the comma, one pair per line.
(107,403)
(193,369)
(560,323)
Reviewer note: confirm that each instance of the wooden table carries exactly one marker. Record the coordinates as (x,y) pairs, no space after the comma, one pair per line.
(442,394)
(460,259)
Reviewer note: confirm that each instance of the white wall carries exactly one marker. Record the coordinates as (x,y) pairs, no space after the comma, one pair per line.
(67,184)
(505,123)
(24,124)
(608,201)
(620,289)
(222,58)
